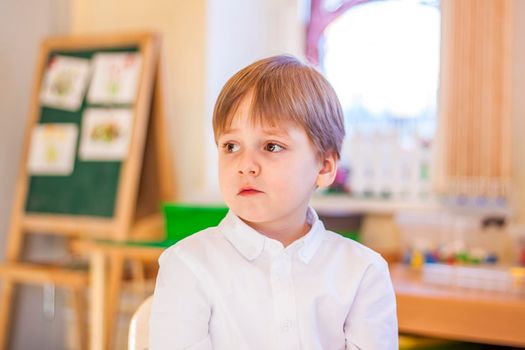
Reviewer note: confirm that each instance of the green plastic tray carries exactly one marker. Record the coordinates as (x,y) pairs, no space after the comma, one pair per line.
(182,220)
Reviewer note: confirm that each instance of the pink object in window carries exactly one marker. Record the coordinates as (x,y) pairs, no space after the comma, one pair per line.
(320,18)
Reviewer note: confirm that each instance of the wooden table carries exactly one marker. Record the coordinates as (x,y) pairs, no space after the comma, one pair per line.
(457,313)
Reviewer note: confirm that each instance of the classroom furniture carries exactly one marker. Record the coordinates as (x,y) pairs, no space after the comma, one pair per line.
(457,313)
(114,200)
(414,342)
(139,326)
(26,273)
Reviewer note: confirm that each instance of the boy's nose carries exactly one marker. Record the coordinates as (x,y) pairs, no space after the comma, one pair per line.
(248,166)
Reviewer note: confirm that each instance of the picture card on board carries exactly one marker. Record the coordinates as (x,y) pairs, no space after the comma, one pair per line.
(105,134)
(52,149)
(65,82)
(115,78)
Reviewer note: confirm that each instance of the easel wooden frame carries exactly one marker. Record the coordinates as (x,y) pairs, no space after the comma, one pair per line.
(136,210)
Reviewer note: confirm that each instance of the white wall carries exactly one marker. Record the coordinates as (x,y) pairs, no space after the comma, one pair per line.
(20,35)
(23,24)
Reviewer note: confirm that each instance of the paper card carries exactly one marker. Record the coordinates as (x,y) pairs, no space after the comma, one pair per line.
(52,149)
(115,78)
(105,134)
(65,82)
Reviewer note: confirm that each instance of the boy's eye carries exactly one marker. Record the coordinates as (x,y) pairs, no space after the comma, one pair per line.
(230,147)
(273,147)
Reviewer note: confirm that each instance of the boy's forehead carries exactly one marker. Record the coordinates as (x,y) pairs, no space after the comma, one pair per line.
(268,127)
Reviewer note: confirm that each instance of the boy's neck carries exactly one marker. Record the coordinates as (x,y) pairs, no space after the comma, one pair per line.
(285,232)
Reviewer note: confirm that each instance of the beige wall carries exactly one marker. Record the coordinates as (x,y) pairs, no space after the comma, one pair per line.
(182,26)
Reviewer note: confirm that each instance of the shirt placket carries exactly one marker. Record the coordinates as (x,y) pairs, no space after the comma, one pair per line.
(285,309)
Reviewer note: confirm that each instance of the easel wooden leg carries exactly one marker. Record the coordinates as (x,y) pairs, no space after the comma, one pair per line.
(97,296)
(79,306)
(113,298)
(7,291)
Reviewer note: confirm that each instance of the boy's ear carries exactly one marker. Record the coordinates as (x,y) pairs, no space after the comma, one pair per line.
(328,170)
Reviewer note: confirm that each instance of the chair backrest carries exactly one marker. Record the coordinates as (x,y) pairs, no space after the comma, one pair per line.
(139,327)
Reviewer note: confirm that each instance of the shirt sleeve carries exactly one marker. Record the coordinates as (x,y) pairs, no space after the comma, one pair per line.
(371,323)
(180,311)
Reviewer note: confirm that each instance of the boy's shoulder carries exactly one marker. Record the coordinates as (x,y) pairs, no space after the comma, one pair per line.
(348,249)
(198,243)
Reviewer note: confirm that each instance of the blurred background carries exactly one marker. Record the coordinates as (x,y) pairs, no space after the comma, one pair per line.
(433,164)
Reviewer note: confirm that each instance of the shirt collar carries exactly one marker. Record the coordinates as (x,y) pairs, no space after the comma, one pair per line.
(250,243)
(312,240)
(245,239)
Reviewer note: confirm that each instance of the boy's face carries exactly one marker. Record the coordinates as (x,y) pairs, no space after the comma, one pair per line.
(267,175)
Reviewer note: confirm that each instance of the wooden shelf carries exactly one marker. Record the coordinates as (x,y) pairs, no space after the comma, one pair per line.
(343,205)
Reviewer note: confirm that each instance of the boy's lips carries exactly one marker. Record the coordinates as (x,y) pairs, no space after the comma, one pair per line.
(248,191)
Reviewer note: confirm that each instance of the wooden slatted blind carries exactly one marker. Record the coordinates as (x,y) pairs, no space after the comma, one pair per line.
(474,143)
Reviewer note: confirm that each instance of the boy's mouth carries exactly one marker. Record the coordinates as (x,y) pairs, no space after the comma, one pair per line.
(248,191)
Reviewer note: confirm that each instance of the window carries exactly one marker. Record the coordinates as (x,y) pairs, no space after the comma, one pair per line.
(382,57)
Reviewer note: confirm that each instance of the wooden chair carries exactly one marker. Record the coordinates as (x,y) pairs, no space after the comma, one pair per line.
(139,327)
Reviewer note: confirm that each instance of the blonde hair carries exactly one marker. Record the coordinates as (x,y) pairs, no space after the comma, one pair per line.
(284,89)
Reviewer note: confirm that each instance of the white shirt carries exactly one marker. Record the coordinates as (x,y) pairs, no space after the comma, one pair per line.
(230,287)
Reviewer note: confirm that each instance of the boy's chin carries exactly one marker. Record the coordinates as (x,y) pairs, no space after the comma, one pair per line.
(250,215)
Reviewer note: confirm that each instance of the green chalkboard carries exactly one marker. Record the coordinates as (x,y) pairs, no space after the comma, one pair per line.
(91,189)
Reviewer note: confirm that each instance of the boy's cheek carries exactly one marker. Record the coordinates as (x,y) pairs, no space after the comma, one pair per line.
(227,185)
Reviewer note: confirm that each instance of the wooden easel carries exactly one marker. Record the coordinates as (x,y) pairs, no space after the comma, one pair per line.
(144,181)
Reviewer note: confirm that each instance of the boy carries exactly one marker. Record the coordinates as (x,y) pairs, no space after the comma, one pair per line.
(270,276)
